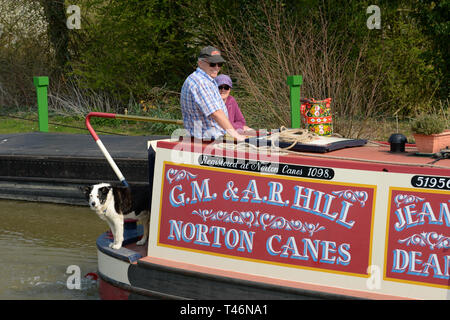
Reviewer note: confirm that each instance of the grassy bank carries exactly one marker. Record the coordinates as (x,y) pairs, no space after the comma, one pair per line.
(26,121)
(16,121)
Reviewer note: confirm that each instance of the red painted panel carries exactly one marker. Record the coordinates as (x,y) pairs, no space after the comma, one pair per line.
(305,223)
(418,239)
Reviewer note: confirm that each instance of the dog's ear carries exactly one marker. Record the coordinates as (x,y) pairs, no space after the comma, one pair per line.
(123,201)
(104,190)
(86,190)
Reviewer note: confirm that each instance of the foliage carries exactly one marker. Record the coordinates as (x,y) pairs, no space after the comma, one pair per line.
(428,124)
(411,80)
(435,24)
(133,45)
(24,51)
(127,48)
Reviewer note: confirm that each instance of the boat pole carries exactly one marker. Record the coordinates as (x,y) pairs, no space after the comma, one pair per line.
(122,117)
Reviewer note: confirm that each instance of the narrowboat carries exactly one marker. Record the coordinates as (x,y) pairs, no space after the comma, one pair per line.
(332,218)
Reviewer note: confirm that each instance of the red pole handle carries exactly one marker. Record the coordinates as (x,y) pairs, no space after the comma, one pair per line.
(100,115)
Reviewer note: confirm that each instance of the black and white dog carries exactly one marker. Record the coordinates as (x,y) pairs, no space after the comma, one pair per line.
(116,203)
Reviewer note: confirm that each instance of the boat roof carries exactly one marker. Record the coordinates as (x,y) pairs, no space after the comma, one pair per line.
(374,156)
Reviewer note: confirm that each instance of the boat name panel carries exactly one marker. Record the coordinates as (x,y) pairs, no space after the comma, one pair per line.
(318,225)
(418,237)
(267,167)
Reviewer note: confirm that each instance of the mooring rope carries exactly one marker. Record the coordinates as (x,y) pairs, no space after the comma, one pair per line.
(284,134)
(292,136)
(246,147)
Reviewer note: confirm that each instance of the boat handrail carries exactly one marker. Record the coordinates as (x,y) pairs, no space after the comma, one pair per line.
(121,117)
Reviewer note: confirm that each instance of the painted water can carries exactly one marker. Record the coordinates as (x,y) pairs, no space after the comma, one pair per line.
(316,116)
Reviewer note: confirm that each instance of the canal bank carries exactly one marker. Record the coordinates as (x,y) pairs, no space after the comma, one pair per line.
(51,167)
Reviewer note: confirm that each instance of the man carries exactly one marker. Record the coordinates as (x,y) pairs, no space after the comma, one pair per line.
(205,115)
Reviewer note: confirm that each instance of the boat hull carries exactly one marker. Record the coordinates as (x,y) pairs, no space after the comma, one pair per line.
(125,278)
(303,226)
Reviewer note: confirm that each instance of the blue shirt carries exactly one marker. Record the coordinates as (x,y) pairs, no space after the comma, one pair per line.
(200,98)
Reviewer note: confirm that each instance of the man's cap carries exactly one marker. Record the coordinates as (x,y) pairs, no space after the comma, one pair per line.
(223,79)
(211,54)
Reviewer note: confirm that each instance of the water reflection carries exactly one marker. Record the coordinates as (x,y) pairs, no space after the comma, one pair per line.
(38,242)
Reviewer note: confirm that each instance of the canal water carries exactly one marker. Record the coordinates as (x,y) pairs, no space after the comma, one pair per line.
(46,251)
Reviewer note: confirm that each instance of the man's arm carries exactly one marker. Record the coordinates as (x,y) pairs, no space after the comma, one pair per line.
(223,121)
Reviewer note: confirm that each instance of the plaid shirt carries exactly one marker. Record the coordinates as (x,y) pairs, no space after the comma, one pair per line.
(200,98)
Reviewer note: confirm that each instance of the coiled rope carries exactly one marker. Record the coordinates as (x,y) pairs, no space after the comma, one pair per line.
(292,136)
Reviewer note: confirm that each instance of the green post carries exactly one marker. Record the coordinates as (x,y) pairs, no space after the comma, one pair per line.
(41,84)
(294,83)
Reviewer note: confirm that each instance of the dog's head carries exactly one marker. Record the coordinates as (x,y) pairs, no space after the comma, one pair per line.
(97,195)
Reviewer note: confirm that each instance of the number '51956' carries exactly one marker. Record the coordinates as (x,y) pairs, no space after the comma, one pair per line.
(431,182)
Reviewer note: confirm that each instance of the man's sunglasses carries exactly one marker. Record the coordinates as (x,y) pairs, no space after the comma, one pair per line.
(224,87)
(212,65)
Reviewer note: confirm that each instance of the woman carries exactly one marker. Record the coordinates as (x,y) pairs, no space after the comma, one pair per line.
(234,113)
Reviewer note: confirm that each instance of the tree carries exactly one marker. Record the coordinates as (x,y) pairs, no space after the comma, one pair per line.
(57,30)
